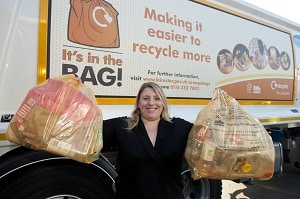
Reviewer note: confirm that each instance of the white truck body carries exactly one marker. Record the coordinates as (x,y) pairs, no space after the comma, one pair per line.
(20,57)
(188,47)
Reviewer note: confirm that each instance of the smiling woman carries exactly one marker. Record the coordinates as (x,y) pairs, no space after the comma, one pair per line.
(150,146)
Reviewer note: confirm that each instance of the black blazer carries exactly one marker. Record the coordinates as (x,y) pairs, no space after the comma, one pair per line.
(148,172)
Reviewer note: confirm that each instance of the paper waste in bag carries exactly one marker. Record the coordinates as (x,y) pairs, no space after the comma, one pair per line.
(60,116)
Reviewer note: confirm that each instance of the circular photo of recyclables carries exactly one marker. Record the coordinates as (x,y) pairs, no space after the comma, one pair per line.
(285,60)
(224,61)
(241,58)
(274,58)
(258,53)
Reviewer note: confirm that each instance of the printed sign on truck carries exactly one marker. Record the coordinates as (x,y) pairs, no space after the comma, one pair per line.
(189,48)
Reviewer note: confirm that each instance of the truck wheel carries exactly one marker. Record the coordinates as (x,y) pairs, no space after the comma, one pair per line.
(56,179)
(201,189)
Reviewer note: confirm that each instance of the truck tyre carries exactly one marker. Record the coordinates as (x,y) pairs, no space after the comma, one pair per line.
(38,177)
(202,188)
(26,173)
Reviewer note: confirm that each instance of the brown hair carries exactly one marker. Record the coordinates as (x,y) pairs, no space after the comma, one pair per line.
(133,120)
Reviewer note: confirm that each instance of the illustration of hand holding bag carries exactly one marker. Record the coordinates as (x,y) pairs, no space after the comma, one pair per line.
(93,23)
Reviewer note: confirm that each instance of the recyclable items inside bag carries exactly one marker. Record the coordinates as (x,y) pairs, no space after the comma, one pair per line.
(226,142)
(60,116)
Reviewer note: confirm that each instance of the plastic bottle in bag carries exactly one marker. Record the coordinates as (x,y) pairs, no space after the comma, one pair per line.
(207,157)
(201,132)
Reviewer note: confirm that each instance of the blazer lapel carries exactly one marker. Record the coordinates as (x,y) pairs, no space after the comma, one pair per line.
(145,143)
(142,135)
(162,133)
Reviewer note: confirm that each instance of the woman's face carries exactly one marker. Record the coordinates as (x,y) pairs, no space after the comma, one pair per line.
(150,105)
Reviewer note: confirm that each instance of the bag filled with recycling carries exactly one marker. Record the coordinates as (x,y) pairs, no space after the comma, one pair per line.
(226,142)
(60,116)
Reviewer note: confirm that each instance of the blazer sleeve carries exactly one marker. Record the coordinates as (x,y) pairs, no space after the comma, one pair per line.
(109,134)
(111,127)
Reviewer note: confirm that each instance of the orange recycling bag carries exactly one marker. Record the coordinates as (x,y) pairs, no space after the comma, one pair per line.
(60,116)
(93,23)
(226,142)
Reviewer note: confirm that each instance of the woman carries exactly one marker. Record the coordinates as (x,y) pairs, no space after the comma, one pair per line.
(150,147)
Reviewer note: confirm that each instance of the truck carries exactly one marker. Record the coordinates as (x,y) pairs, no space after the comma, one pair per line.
(188,47)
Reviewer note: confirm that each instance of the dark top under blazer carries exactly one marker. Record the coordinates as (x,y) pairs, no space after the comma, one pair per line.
(148,175)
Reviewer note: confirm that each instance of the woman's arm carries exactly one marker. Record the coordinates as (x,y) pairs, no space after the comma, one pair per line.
(109,135)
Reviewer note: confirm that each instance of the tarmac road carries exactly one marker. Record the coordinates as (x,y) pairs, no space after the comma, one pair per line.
(286,186)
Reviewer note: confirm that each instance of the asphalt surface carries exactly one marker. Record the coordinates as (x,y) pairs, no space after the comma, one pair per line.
(285,186)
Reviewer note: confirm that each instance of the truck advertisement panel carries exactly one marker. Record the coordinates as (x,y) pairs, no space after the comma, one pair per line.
(188,47)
